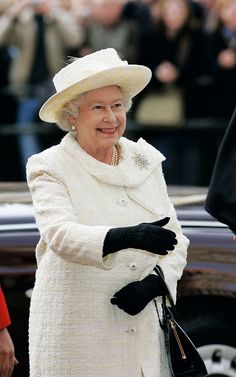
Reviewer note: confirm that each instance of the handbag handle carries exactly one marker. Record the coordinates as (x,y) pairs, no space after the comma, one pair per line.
(167,295)
(166,311)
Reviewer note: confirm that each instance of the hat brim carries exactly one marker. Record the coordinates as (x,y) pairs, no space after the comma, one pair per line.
(132,79)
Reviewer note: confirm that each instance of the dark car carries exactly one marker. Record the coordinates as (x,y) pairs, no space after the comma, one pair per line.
(206,304)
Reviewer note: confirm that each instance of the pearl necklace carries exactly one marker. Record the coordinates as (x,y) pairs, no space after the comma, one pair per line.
(114,156)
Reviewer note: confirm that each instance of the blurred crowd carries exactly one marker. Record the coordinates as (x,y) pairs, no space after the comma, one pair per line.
(189,45)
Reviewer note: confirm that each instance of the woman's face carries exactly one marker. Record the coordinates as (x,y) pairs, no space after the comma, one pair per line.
(107,12)
(174,14)
(102,118)
(228,15)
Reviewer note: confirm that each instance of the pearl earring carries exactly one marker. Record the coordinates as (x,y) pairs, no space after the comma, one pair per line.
(73,128)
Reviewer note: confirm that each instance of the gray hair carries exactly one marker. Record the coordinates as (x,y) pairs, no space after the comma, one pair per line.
(71,109)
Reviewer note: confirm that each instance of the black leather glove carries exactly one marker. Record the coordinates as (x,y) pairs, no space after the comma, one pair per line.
(135,296)
(147,236)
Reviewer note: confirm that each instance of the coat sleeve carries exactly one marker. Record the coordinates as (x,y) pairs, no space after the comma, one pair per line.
(4,315)
(57,221)
(174,262)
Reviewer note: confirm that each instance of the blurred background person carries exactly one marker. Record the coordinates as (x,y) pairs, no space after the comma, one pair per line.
(174,49)
(221,49)
(205,12)
(82,10)
(7,100)
(7,352)
(43,34)
(154,9)
(107,28)
(65,4)
(139,12)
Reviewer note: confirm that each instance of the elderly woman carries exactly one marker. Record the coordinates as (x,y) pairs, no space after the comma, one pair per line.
(105,221)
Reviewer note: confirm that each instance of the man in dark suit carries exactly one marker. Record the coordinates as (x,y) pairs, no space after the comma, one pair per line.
(221,197)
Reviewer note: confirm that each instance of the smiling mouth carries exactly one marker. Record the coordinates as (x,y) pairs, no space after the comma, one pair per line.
(108,131)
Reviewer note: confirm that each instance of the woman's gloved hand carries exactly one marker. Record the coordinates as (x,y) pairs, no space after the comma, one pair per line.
(151,237)
(135,296)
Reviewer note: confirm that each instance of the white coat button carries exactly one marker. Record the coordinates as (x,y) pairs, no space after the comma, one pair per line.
(122,202)
(133,266)
(131,331)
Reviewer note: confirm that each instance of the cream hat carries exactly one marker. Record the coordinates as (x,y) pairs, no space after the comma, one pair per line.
(94,71)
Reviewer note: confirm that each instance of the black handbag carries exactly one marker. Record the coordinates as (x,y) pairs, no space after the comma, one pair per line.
(184,359)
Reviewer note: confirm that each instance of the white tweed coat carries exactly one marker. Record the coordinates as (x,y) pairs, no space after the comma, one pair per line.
(74,331)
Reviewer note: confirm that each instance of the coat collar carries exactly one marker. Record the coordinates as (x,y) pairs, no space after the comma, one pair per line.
(137,161)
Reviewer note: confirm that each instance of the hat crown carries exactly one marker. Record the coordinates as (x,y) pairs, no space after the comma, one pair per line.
(89,65)
(97,70)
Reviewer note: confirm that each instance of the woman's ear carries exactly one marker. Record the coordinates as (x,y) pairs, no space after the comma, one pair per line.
(72,121)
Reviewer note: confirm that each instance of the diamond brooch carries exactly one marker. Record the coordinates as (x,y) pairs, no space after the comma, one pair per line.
(141,161)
